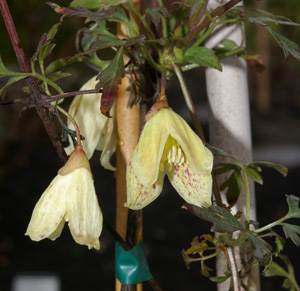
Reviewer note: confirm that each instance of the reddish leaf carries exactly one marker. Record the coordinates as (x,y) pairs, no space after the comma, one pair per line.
(109,80)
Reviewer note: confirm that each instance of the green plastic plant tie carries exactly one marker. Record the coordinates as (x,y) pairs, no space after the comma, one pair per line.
(132,266)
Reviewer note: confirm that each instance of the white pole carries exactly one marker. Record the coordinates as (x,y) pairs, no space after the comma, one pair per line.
(229,126)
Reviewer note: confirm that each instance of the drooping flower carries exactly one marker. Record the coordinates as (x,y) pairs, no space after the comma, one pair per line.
(168,145)
(71,198)
(99,131)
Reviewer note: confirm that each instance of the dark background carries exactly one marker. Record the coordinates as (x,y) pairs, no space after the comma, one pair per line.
(28,163)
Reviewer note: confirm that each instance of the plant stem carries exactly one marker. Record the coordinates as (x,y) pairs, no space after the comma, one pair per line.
(163,21)
(232,52)
(143,21)
(189,102)
(247,187)
(205,35)
(206,257)
(43,113)
(149,58)
(206,22)
(163,83)
(270,225)
(234,271)
(74,123)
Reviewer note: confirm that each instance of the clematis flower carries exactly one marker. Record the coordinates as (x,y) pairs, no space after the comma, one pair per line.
(99,131)
(168,145)
(70,197)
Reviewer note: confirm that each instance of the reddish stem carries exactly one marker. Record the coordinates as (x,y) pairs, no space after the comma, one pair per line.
(34,92)
(206,22)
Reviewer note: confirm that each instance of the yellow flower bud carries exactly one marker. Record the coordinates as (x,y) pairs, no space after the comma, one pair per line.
(168,145)
(70,197)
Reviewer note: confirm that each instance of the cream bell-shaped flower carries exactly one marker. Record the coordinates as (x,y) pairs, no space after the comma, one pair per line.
(70,197)
(168,145)
(99,131)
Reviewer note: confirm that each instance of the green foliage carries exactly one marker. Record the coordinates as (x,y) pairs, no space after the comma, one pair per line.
(202,56)
(176,37)
(197,12)
(156,14)
(289,47)
(274,269)
(221,218)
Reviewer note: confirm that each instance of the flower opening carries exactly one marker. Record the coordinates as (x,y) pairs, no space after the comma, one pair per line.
(71,198)
(168,146)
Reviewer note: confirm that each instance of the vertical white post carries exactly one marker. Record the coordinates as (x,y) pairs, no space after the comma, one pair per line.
(229,125)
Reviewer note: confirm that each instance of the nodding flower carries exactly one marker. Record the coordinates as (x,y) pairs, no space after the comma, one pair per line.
(71,198)
(168,146)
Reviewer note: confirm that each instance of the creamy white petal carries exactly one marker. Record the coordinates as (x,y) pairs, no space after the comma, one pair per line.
(194,188)
(85,109)
(150,149)
(50,210)
(140,195)
(200,158)
(57,232)
(83,211)
(108,142)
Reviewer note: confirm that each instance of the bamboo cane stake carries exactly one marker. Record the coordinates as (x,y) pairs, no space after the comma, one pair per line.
(128,130)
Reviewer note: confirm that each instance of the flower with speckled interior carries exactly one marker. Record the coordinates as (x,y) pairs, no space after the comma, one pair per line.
(168,145)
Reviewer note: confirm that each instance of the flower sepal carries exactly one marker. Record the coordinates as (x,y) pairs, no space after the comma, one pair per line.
(77,159)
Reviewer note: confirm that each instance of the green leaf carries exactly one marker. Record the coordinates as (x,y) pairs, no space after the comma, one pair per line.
(234,184)
(263,19)
(280,168)
(101,42)
(253,172)
(260,248)
(109,80)
(280,242)
(293,203)
(229,44)
(197,12)
(287,284)
(117,14)
(45,45)
(291,231)
(202,56)
(88,4)
(289,47)
(156,14)
(263,15)
(86,41)
(220,152)
(222,168)
(107,3)
(59,63)
(205,270)
(113,13)
(221,218)
(3,70)
(10,81)
(275,270)
(221,279)
(95,4)
(58,75)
